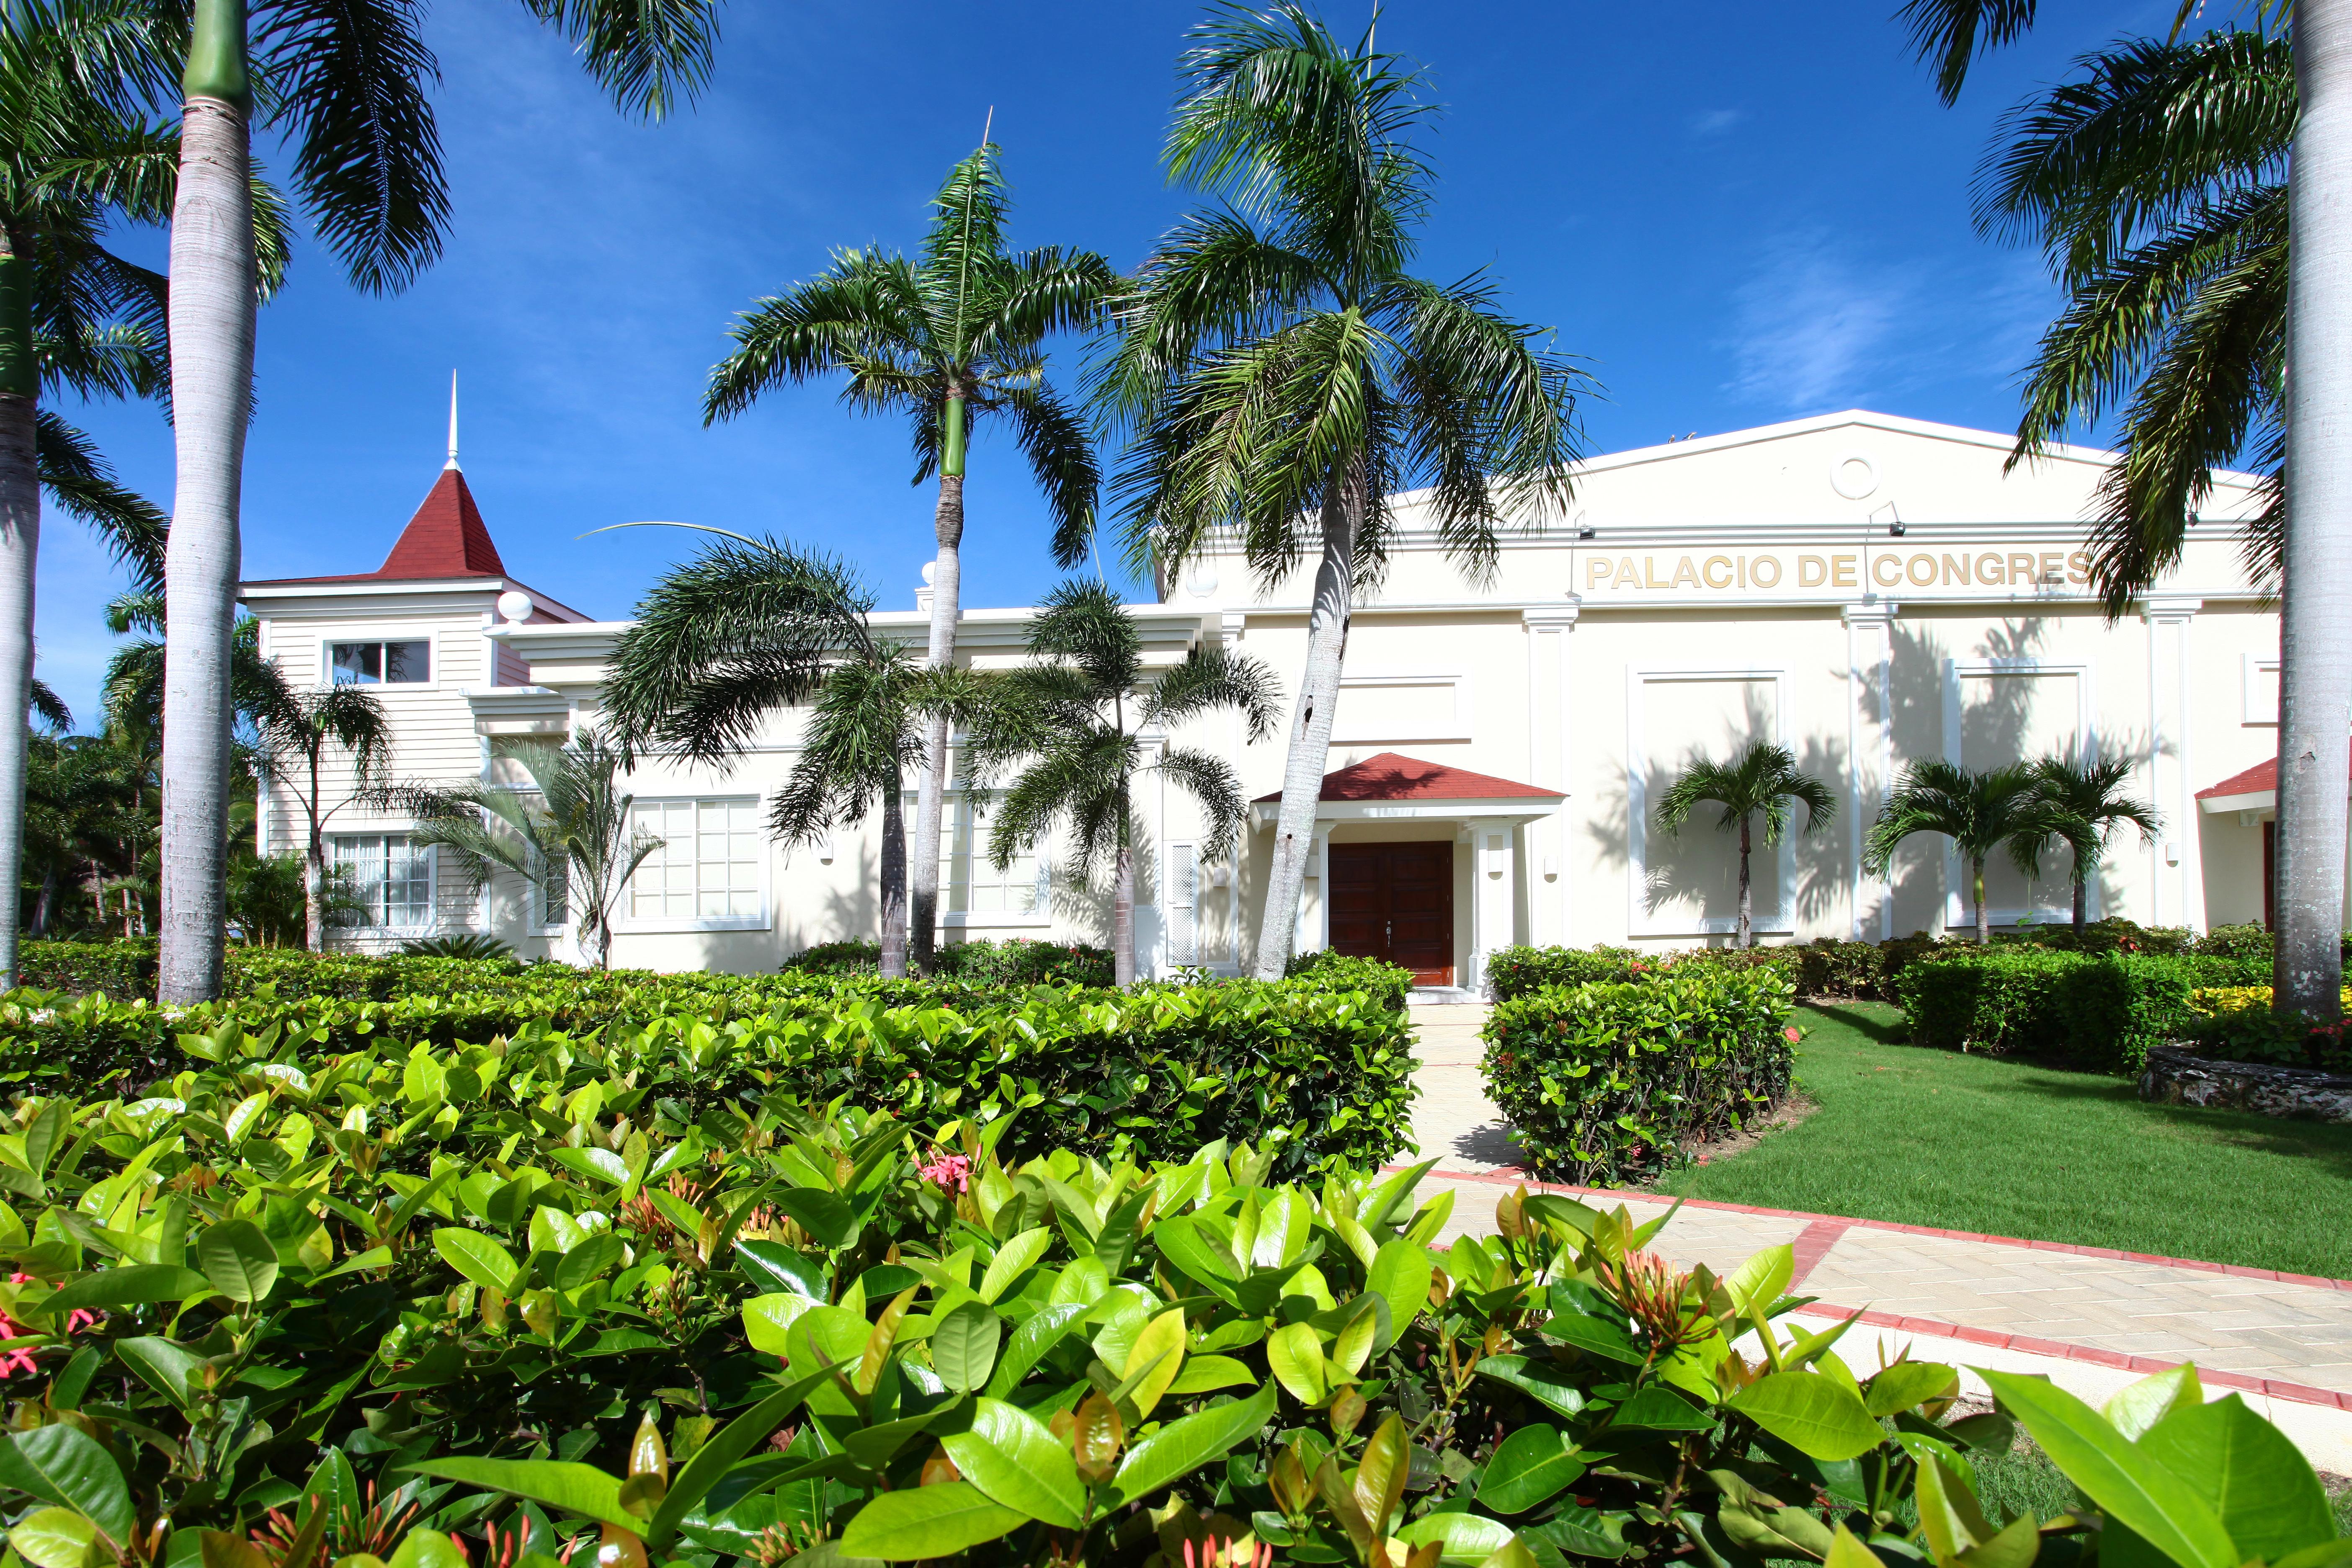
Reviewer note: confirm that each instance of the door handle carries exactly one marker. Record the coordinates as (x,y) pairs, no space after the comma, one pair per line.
(1387,930)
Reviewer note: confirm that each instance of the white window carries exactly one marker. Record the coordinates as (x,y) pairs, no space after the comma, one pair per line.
(2261,689)
(389,663)
(707,869)
(392,878)
(976,891)
(1183,902)
(552,891)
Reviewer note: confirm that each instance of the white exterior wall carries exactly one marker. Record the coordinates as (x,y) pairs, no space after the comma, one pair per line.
(1737,585)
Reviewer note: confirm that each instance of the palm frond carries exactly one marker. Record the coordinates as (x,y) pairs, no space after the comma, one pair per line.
(651,56)
(48,708)
(1213,782)
(81,482)
(1950,35)
(1215,678)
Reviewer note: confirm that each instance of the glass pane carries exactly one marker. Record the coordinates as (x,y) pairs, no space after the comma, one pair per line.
(358,663)
(407,662)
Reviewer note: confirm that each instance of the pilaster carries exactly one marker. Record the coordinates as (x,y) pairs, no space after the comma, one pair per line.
(1870,752)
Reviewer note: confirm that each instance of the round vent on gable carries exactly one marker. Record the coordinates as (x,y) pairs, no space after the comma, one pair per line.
(1853,476)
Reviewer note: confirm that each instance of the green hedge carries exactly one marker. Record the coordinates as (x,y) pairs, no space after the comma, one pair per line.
(1390,984)
(1015,961)
(2102,1009)
(1318,1075)
(542,1303)
(1513,972)
(1604,1081)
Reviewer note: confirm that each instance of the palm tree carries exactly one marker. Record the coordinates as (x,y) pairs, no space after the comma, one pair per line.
(1979,812)
(347,83)
(1761,781)
(724,644)
(1285,374)
(2086,805)
(297,728)
(950,337)
(1086,723)
(73,316)
(569,835)
(2197,203)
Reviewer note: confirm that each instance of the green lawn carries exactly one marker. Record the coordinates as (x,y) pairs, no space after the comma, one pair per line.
(1965,1143)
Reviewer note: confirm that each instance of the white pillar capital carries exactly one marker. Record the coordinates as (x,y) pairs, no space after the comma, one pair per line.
(1875,613)
(1559,617)
(1230,625)
(2169,609)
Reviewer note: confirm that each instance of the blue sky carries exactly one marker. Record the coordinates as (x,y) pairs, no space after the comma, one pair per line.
(1733,213)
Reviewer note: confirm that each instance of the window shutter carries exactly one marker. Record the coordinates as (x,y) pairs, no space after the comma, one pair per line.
(1183,896)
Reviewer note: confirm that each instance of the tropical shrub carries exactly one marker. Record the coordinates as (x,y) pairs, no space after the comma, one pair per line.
(517,1302)
(1376,978)
(2115,934)
(2234,1023)
(1516,971)
(121,968)
(1603,1082)
(1317,1078)
(1829,967)
(1993,999)
(464,945)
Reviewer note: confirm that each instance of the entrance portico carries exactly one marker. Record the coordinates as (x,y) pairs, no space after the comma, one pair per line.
(1416,863)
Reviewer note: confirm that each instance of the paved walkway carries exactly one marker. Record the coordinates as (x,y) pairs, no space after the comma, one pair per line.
(2093,1318)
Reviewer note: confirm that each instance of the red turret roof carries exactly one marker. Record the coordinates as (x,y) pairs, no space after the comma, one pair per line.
(445,538)
(1393,776)
(2260,779)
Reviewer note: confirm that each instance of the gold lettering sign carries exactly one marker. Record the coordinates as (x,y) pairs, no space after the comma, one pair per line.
(1830,574)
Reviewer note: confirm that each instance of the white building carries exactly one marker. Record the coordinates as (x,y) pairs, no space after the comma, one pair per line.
(1863,588)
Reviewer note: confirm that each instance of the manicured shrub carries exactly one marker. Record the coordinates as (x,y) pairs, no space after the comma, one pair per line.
(1516,971)
(120,968)
(1897,953)
(2234,1023)
(1604,1081)
(1989,999)
(2116,1005)
(1827,966)
(1015,961)
(1391,985)
(2112,935)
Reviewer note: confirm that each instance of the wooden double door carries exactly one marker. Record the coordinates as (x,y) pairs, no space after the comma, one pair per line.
(1395,902)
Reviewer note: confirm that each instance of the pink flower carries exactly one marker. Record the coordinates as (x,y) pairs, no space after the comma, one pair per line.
(1793,1034)
(80,1318)
(948,1173)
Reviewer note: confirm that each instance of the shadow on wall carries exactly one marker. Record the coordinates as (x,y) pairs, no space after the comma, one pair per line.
(833,914)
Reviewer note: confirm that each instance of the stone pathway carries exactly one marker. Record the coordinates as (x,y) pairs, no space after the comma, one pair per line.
(2093,1318)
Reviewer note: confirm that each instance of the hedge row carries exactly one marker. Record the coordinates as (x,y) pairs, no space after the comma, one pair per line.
(1823,968)
(538,1303)
(1604,1081)
(2102,1009)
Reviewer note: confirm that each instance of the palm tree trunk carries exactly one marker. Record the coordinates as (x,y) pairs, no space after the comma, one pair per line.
(894,880)
(2315,636)
(2082,900)
(1746,919)
(212,326)
(20,536)
(1984,916)
(946,597)
(314,872)
(1310,726)
(1122,917)
(44,905)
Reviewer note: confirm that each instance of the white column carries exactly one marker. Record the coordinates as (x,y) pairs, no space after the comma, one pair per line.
(1491,894)
(1314,932)
(1547,840)
(2176,888)
(1870,752)
(1231,624)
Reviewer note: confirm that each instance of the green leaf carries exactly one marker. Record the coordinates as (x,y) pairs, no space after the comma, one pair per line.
(2139,1493)
(587,1260)
(1201,1256)
(1183,1446)
(1907,1384)
(2249,1472)
(425,1547)
(2137,1406)
(1295,1354)
(964,1346)
(1207,1373)
(478,1257)
(1761,1280)
(774,1267)
(768,1319)
(238,1260)
(1464,1538)
(53,1537)
(719,1452)
(1400,1275)
(1819,1418)
(1041,1332)
(1547,1385)
(127,1285)
(1014,1258)
(1658,1408)
(1157,1356)
(596,1164)
(1529,1467)
(61,1465)
(219,1549)
(576,1489)
(928,1521)
(1012,1458)
(167,1368)
(827,1218)
(1597,1335)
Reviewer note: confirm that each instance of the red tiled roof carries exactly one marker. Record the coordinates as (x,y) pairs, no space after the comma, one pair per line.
(1393,776)
(2261,777)
(445,539)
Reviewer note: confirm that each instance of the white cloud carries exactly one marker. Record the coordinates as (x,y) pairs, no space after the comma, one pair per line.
(1716,121)
(1810,323)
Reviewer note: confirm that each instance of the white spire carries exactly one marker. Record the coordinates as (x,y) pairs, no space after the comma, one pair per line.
(453,421)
